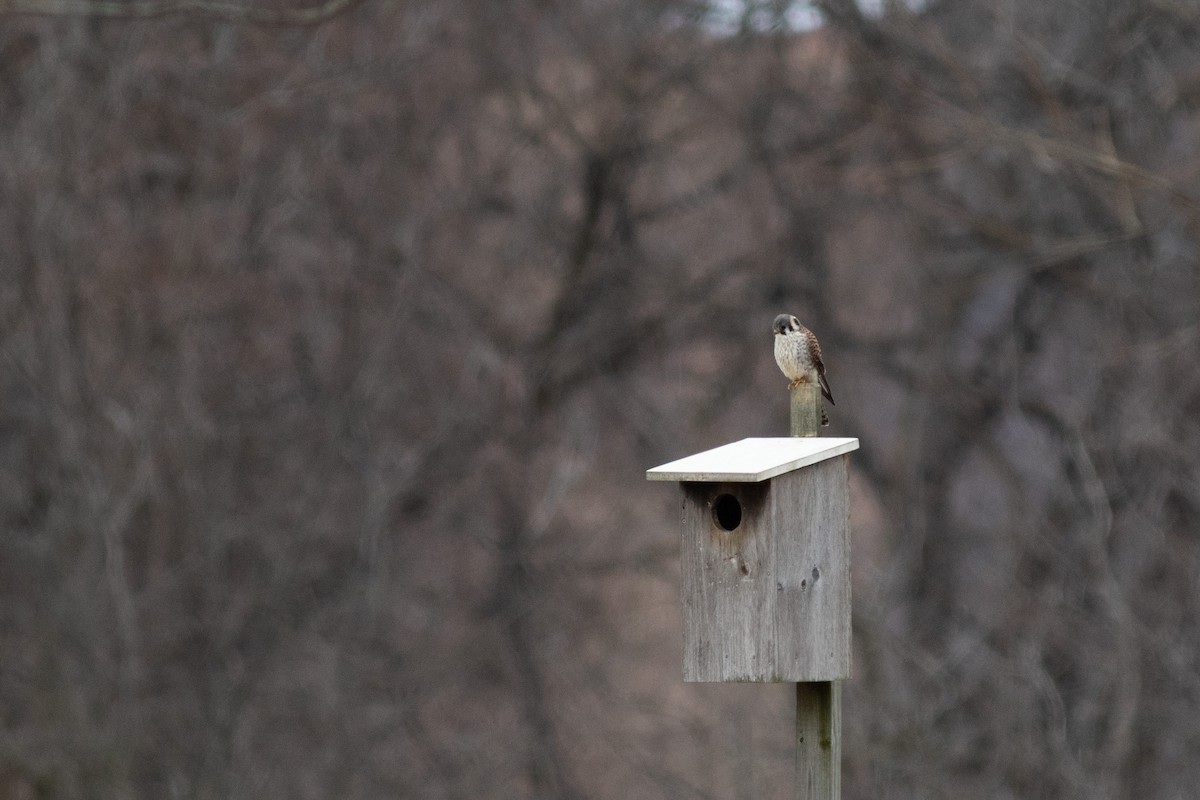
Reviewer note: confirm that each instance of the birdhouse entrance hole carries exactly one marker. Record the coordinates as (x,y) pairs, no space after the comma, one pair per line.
(727,512)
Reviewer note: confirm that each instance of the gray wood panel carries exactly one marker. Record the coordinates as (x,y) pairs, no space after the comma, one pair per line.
(770,599)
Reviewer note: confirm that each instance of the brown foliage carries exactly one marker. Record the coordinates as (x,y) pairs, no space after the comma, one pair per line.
(333,355)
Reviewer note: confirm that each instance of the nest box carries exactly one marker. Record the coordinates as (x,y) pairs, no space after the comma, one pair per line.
(766,560)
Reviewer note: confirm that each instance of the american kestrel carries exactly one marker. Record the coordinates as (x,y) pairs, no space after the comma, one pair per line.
(799,355)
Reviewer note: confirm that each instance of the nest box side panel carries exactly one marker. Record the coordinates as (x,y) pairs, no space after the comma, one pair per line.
(811,613)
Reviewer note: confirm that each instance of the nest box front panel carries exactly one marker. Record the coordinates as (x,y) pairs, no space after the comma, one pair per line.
(766,577)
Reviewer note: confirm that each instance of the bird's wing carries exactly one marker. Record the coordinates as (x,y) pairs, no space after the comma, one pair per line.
(814,349)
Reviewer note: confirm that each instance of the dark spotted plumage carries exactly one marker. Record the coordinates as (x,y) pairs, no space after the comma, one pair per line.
(798,354)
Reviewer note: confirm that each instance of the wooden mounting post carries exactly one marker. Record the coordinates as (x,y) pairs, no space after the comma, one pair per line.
(819,740)
(818,703)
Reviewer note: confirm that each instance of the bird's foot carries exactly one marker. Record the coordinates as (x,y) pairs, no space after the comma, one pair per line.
(795,383)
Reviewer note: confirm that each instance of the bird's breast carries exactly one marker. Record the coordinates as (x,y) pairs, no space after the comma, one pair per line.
(791,354)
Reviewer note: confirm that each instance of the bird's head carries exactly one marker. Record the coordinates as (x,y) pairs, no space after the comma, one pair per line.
(786,323)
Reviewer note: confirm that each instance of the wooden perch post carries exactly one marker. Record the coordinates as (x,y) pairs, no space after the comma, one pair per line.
(818,703)
(807,410)
(766,575)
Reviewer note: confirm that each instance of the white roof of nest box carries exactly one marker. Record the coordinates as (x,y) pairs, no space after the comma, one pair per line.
(752,460)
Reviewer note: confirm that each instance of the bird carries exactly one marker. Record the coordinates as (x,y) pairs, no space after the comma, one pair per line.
(798,354)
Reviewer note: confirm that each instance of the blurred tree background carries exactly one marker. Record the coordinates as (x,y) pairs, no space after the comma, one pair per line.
(335,339)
